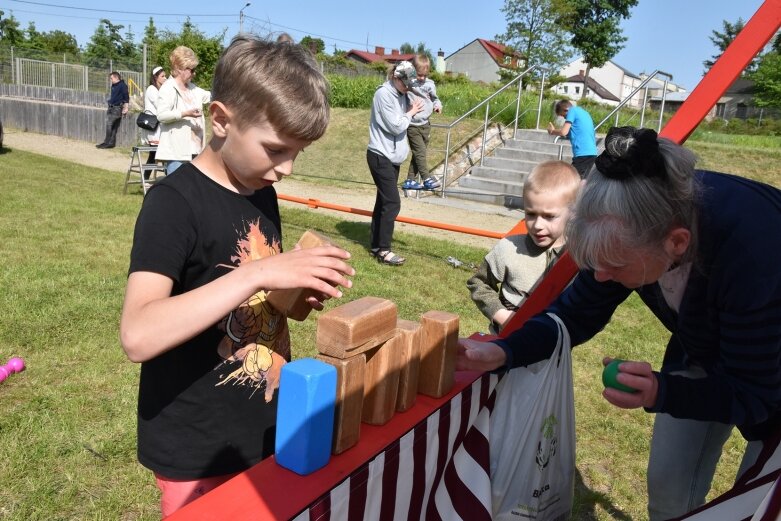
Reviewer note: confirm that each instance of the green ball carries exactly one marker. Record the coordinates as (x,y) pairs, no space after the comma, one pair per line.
(609,375)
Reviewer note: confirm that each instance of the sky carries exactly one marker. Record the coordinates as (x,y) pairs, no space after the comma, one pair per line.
(669,35)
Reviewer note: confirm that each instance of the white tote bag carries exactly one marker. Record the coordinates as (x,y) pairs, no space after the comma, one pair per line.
(532,439)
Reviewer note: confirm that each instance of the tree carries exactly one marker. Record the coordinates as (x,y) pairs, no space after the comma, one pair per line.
(595,30)
(59,42)
(105,44)
(767,80)
(775,46)
(532,29)
(407,48)
(315,45)
(10,33)
(722,40)
(207,49)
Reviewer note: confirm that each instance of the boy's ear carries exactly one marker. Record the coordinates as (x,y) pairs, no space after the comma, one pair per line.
(221,118)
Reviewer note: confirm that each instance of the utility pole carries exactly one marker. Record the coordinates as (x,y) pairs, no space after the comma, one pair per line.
(241,17)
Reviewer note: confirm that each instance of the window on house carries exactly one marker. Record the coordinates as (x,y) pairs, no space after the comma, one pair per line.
(577,90)
(565,89)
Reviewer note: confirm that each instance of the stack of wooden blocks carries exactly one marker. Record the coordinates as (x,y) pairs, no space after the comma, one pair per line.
(382,362)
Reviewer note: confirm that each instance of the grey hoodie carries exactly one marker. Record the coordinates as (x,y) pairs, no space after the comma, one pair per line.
(388,124)
(428,93)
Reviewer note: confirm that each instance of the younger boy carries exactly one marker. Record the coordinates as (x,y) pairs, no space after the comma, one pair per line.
(579,128)
(515,264)
(419,129)
(207,248)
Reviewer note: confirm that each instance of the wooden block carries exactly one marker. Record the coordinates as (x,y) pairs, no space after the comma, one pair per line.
(305,415)
(356,327)
(438,348)
(292,302)
(349,400)
(381,382)
(409,334)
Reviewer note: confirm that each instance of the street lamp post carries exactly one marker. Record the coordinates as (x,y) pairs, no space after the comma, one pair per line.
(241,17)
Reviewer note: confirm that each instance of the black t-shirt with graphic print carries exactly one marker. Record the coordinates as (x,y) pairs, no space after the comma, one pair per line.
(203,407)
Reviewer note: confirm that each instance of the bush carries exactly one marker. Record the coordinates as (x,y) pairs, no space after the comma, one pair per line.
(353,92)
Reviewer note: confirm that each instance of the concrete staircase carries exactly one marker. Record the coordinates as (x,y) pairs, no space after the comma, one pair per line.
(500,179)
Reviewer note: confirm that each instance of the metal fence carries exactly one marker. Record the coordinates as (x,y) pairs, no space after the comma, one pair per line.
(35,67)
(66,75)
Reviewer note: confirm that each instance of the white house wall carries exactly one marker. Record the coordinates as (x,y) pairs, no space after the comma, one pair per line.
(609,76)
(573,91)
(475,62)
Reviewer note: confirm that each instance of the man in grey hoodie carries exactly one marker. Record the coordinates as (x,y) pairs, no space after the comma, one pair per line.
(390,117)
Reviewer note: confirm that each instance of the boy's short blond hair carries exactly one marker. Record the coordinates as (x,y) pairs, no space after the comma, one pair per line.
(422,64)
(550,176)
(276,82)
(182,58)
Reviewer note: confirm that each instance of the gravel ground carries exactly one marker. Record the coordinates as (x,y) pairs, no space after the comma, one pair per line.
(448,210)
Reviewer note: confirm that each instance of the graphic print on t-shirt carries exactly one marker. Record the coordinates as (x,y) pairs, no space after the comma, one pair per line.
(255,333)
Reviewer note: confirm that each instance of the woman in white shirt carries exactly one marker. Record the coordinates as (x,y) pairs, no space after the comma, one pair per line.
(180,112)
(152,137)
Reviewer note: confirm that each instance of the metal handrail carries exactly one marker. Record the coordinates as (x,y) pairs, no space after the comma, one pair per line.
(643,85)
(487,103)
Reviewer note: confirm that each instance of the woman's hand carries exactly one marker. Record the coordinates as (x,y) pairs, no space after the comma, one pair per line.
(474,355)
(637,375)
(417,106)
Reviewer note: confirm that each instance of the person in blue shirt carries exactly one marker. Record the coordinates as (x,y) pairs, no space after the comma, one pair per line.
(696,248)
(579,129)
(118,104)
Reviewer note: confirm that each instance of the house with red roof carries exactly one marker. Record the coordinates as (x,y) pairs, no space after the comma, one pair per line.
(481,60)
(378,55)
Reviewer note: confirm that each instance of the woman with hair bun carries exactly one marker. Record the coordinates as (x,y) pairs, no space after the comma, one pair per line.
(703,251)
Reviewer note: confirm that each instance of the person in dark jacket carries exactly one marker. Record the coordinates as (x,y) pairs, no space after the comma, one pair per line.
(118,104)
(702,251)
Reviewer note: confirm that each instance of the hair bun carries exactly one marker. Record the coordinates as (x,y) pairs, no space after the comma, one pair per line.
(631,151)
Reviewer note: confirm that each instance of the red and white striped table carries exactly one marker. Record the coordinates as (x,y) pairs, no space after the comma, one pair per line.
(430,462)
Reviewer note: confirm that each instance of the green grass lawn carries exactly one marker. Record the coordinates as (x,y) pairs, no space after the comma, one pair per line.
(67,424)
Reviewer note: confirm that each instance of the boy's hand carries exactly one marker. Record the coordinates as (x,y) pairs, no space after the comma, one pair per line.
(320,269)
(474,355)
(637,375)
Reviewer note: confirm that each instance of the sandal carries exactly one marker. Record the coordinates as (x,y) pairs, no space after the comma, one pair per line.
(388,257)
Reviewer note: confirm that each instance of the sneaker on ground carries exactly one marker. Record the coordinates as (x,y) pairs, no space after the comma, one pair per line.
(411,184)
(430,183)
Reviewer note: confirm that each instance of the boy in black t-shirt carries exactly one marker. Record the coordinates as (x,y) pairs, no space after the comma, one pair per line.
(207,248)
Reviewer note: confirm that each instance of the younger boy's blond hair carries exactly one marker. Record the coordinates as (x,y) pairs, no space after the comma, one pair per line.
(422,64)
(551,176)
(275,82)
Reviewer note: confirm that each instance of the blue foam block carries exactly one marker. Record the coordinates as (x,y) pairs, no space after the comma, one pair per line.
(305,415)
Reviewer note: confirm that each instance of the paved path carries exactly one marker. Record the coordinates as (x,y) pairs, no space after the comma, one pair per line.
(451,211)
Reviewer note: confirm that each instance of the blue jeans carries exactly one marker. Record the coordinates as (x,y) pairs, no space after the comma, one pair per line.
(171,166)
(684,454)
